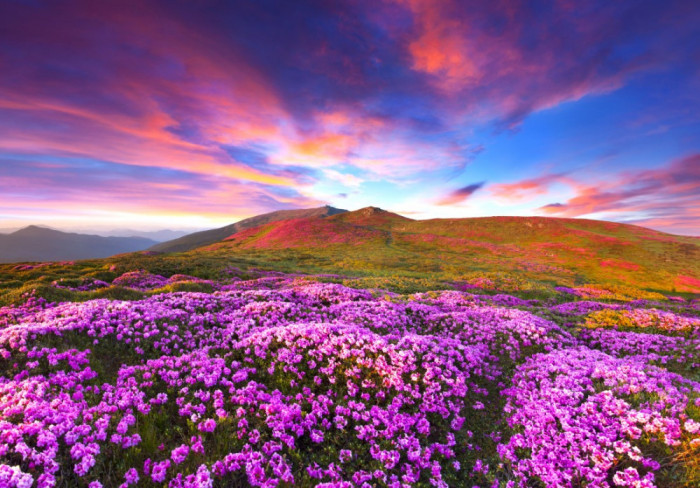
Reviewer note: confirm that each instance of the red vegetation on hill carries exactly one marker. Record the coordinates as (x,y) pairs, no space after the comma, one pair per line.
(616,263)
(313,232)
(562,250)
(688,283)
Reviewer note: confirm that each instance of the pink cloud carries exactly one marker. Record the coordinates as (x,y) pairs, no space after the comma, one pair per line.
(526,189)
(497,60)
(460,194)
(664,198)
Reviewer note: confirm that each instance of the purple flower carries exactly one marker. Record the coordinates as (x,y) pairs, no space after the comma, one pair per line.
(131,476)
(179,454)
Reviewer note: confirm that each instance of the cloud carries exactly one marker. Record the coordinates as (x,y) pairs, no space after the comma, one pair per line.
(553,207)
(460,194)
(504,60)
(666,198)
(345,179)
(243,100)
(61,186)
(147,95)
(526,189)
(181,92)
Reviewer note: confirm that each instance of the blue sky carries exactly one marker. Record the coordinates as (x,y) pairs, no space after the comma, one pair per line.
(182,114)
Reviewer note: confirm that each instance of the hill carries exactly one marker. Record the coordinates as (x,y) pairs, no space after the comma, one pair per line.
(563,251)
(373,248)
(35,243)
(203,238)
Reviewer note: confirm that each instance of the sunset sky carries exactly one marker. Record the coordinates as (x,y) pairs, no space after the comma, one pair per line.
(195,114)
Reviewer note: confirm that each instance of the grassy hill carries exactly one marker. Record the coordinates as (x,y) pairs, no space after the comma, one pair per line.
(565,251)
(522,255)
(203,238)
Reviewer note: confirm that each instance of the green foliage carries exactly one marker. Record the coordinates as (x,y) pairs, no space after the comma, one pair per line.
(397,284)
(191,286)
(114,293)
(101,274)
(38,290)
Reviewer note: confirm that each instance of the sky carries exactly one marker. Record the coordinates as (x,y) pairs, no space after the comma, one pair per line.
(197,113)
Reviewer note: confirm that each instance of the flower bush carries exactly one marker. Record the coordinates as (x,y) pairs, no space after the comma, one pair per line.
(643,319)
(584,418)
(83,284)
(281,380)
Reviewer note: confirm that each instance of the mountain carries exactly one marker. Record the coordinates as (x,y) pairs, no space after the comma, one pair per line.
(203,238)
(35,243)
(154,235)
(546,249)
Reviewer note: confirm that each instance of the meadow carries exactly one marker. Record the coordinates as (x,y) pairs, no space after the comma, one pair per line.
(112,375)
(174,315)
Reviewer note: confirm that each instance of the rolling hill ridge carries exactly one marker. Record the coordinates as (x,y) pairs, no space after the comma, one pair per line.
(386,250)
(555,249)
(203,238)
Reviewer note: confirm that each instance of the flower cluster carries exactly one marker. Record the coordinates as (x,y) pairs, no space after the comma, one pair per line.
(643,318)
(82,284)
(140,280)
(580,416)
(281,380)
(582,307)
(673,352)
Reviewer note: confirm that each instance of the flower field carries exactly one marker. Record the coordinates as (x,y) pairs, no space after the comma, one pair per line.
(288,381)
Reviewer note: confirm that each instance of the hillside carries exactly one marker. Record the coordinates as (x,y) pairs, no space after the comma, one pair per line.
(546,249)
(41,244)
(526,255)
(198,373)
(203,238)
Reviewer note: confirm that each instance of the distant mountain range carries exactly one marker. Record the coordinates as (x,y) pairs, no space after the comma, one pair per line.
(36,243)
(203,238)
(155,235)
